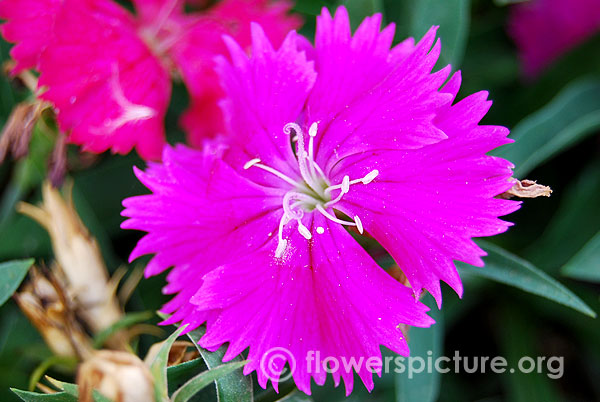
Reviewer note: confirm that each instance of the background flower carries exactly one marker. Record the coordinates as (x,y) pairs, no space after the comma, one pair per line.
(545,29)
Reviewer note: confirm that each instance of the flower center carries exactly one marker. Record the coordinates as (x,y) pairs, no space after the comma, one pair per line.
(313,192)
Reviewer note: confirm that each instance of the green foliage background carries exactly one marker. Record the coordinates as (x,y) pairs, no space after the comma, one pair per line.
(556,121)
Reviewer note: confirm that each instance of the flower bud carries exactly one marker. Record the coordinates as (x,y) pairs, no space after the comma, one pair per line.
(120,376)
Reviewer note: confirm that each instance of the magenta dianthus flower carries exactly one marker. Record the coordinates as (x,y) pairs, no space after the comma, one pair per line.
(546,29)
(349,133)
(108,72)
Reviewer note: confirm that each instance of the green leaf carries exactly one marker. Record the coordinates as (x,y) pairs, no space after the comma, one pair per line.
(569,118)
(573,225)
(414,18)
(235,386)
(191,388)
(586,263)
(158,367)
(185,370)
(125,322)
(73,390)
(507,268)
(359,9)
(12,274)
(422,386)
(35,397)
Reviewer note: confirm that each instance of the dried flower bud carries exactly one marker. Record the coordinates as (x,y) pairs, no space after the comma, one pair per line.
(120,376)
(45,304)
(79,259)
(526,189)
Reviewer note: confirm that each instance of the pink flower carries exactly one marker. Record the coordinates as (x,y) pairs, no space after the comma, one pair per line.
(255,228)
(107,72)
(546,29)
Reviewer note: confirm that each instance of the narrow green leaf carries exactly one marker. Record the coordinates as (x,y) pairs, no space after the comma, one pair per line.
(180,373)
(12,274)
(507,268)
(35,397)
(586,263)
(158,367)
(422,386)
(125,322)
(73,390)
(452,16)
(51,361)
(569,118)
(193,386)
(234,387)
(573,225)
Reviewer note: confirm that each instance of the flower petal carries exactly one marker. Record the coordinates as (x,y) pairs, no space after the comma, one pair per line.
(29,24)
(263,94)
(328,295)
(383,99)
(108,88)
(426,205)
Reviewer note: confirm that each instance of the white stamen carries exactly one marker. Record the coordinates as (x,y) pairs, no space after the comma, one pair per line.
(333,218)
(304,231)
(251,163)
(320,230)
(359,225)
(370,176)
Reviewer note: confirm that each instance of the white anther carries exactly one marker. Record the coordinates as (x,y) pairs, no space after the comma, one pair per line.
(320,230)
(345,184)
(251,163)
(312,131)
(370,176)
(304,231)
(359,225)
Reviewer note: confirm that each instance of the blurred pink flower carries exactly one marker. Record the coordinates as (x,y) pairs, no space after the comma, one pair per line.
(254,228)
(546,29)
(107,72)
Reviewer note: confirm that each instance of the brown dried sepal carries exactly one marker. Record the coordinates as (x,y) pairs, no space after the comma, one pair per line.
(80,262)
(120,376)
(18,130)
(44,302)
(526,189)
